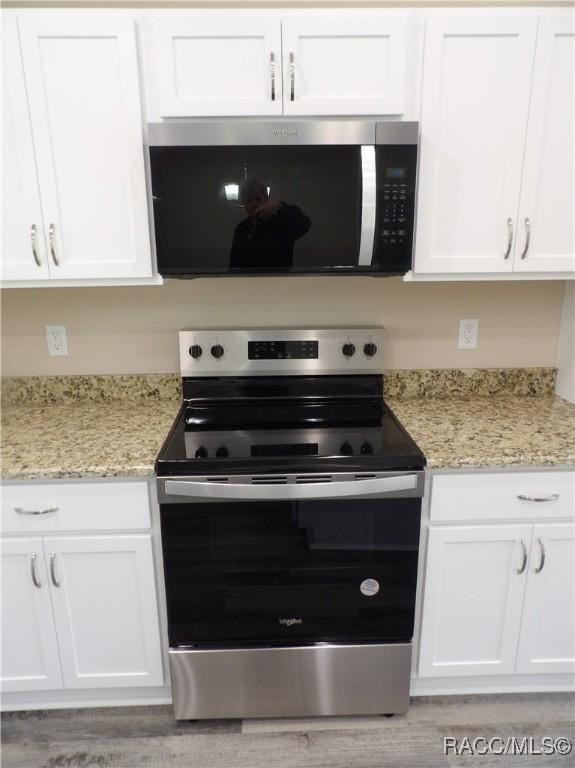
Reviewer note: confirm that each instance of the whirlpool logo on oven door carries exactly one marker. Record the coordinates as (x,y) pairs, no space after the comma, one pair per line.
(289,622)
(284,133)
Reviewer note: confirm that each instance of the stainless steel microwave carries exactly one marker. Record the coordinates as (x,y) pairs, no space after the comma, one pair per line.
(283,198)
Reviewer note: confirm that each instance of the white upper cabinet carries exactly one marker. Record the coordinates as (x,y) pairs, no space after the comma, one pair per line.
(81,73)
(475,101)
(548,630)
(547,192)
(23,245)
(343,65)
(210,65)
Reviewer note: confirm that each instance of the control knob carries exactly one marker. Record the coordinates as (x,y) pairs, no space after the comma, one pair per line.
(222,452)
(201,453)
(195,351)
(346,449)
(369,349)
(348,350)
(217,351)
(366,449)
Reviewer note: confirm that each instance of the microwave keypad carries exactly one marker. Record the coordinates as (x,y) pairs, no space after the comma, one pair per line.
(394,213)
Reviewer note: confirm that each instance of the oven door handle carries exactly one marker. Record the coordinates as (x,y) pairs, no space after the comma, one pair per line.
(371,487)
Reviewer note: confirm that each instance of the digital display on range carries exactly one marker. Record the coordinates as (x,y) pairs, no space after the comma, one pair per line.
(288,449)
(283,350)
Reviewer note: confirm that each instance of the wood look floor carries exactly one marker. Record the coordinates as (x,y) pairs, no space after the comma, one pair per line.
(127,737)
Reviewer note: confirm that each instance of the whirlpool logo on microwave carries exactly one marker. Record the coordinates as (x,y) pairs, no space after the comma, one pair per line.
(289,622)
(284,133)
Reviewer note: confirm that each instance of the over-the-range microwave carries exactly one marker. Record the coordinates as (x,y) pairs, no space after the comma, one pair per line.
(283,198)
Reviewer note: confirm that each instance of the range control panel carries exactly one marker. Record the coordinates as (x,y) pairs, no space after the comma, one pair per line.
(281,352)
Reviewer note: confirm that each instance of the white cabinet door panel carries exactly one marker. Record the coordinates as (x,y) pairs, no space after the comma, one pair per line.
(547,641)
(105,609)
(23,245)
(83,89)
(473,600)
(216,65)
(334,65)
(548,188)
(476,83)
(30,659)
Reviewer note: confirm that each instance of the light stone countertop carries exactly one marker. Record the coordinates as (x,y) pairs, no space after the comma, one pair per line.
(87,438)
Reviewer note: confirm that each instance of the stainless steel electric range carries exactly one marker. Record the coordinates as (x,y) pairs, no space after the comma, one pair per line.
(290,502)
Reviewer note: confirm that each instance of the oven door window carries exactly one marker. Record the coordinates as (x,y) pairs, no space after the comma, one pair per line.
(221,210)
(283,572)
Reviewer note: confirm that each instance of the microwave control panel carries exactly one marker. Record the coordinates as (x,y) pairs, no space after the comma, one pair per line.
(395,214)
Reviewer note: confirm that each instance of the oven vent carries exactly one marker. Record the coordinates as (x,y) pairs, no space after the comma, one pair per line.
(217,479)
(313,479)
(364,477)
(270,480)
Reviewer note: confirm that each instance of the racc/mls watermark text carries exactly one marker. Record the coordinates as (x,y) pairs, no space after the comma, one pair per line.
(510,745)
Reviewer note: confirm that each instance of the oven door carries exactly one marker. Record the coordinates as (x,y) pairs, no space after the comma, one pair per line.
(282,198)
(249,564)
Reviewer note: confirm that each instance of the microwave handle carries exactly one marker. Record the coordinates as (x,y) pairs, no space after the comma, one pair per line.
(214,491)
(368,203)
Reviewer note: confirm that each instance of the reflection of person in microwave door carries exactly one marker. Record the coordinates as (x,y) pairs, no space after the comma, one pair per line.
(266,238)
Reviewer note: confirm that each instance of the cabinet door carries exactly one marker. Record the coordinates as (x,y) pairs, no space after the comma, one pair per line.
(104,598)
(547,641)
(547,190)
(344,65)
(475,99)
(473,600)
(30,659)
(23,251)
(208,65)
(82,80)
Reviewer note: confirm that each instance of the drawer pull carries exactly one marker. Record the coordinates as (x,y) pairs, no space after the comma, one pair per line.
(55,581)
(524,563)
(37,582)
(542,561)
(551,497)
(21,511)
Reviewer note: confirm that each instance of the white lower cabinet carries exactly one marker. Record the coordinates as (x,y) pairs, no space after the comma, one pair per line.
(547,641)
(499,599)
(78,611)
(473,600)
(30,660)
(104,601)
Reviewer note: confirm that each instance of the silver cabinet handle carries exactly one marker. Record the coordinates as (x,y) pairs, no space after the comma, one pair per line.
(292,76)
(527,238)
(523,566)
(273,75)
(509,238)
(34,248)
(542,560)
(551,497)
(246,492)
(55,581)
(52,238)
(37,582)
(47,511)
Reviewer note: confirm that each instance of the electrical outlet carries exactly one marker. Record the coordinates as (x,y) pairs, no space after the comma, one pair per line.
(468,334)
(56,340)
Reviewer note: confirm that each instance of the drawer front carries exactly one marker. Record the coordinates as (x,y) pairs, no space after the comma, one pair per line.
(502,496)
(75,507)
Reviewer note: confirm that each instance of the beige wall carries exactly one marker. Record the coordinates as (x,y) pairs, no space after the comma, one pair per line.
(133,330)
